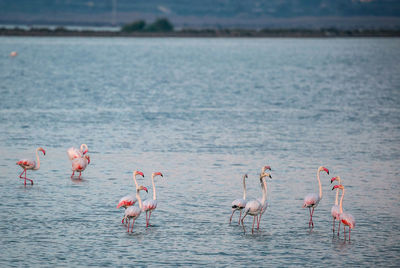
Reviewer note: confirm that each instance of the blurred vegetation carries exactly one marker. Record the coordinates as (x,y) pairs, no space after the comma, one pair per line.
(160,25)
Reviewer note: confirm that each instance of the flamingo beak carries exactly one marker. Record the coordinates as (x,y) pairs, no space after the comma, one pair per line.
(270,176)
(333,179)
(140,173)
(326,170)
(334,187)
(144,188)
(88,158)
(267,167)
(159,174)
(44,152)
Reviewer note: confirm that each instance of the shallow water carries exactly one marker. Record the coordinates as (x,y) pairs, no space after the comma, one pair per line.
(203,112)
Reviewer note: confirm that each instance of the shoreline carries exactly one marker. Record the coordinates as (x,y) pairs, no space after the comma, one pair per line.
(225,33)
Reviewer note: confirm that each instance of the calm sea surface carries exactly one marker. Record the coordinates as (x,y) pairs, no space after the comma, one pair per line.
(203,112)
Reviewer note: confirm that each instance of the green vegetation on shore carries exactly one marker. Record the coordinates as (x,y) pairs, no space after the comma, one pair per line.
(164,28)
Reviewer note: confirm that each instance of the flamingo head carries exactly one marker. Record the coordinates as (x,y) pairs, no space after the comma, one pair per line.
(245,176)
(263,175)
(265,168)
(137,172)
(42,150)
(321,168)
(141,187)
(86,148)
(337,178)
(338,186)
(157,174)
(87,158)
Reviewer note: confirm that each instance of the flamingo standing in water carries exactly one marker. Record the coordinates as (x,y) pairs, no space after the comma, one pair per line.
(30,164)
(254,207)
(133,212)
(129,200)
(335,211)
(265,204)
(151,204)
(75,153)
(240,203)
(80,164)
(346,218)
(312,200)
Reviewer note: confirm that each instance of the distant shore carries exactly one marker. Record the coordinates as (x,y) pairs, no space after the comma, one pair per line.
(63,32)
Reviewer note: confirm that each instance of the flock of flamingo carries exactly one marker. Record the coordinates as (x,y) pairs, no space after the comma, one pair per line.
(254,207)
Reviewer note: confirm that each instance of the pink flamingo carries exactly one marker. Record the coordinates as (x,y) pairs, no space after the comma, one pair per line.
(30,164)
(240,203)
(335,210)
(75,153)
(151,204)
(133,212)
(265,204)
(254,207)
(346,218)
(129,200)
(80,164)
(312,200)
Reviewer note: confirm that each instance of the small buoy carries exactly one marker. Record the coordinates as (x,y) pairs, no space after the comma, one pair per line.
(13,54)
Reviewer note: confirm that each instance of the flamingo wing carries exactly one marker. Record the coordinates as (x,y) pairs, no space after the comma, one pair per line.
(348,219)
(127,201)
(74,153)
(132,212)
(335,212)
(311,200)
(239,203)
(149,204)
(79,164)
(253,207)
(26,164)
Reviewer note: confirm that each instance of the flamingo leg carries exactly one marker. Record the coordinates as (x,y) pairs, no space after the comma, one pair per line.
(147,221)
(20,175)
(312,213)
(333,227)
(309,222)
(258,221)
(349,233)
(230,220)
(254,220)
(73,173)
(344,231)
(338,230)
(133,222)
(240,216)
(244,230)
(123,220)
(149,218)
(80,173)
(25,178)
(129,221)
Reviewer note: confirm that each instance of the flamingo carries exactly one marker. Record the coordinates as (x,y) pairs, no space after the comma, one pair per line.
(13,53)
(30,164)
(312,200)
(129,200)
(335,211)
(133,212)
(80,164)
(254,207)
(346,218)
(240,203)
(151,204)
(75,153)
(265,204)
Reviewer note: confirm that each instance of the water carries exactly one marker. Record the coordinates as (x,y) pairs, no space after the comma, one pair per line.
(203,112)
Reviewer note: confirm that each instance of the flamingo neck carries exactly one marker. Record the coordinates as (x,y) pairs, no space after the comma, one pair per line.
(139,199)
(154,188)
(337,194)
(86,148)
(264,190)
(134,178)
(341,202)
(244,188)
(37,160)
(319,183)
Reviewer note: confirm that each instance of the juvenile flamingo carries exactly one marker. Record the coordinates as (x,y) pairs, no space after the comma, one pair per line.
(312,200)
(80,164)
(254,207)
(240,203)
(75,153)
(129,200)
(30,164)
(151,204)
(133,212)
(335,211)
(265,204)
(346,218)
